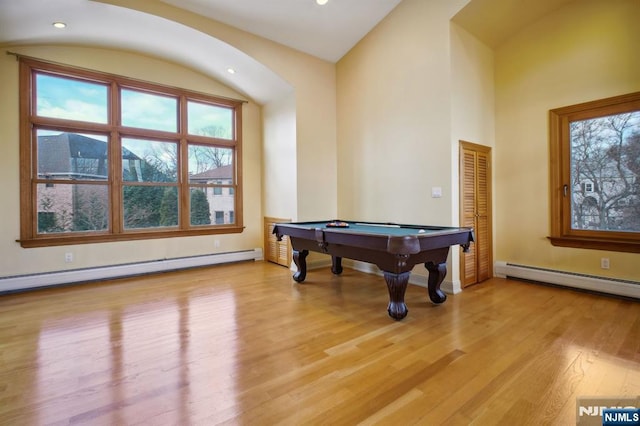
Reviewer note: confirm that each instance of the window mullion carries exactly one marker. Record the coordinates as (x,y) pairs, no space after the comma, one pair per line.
(565,188)
(115,163)
(115,183)
(237,164)
(33,180)
(183,166)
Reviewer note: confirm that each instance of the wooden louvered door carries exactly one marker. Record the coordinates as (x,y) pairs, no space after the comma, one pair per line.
(475,211)
(276,251)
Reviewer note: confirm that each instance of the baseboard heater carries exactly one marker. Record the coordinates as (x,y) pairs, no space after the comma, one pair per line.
(31,281)
(593,283)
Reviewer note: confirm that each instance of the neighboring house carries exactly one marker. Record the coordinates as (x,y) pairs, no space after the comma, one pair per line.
(606,204)
(72,157)
(604,172)
(221,198)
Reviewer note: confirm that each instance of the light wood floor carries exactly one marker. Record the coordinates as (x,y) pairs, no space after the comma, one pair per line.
(244,344)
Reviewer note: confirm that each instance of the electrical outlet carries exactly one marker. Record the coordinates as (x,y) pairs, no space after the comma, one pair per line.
(68,257)
(604,263)
(216,243)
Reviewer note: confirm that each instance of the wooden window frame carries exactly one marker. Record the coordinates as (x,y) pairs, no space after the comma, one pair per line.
(30,122)
(562,234)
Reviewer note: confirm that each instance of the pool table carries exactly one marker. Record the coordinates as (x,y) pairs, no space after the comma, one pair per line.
(394,248)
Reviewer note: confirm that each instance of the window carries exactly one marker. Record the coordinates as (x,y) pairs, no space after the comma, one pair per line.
(595,174)
(106,158)
(219,217)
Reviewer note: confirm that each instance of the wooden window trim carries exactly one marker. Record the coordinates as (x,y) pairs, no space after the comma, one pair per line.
(29,121)
(562,234)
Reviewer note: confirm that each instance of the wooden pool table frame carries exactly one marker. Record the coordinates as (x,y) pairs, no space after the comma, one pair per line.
(395,255)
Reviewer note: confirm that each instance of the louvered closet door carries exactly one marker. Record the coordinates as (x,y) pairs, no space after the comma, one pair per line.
(468,206)
(475,205)
(483,257)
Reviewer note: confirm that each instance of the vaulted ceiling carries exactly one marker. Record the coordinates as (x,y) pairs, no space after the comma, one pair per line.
(327,32)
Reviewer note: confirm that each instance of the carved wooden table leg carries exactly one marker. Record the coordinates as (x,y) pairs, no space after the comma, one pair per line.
(336,265)
(300,259)
(436,276)
(397,285)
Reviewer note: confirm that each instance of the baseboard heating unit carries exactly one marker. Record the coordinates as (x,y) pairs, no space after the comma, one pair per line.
(625,288)
(24,282)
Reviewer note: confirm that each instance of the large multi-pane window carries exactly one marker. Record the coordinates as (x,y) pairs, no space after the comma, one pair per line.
(106,158)
(595,159)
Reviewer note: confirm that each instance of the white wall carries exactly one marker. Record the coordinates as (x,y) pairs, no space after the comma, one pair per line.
(279,180)
(398,91)
(314,83)
(473,115)
(587,50)
(394,109)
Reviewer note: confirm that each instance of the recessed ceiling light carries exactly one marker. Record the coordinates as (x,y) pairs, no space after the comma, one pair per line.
(231,70)
(322,2)
(59,25)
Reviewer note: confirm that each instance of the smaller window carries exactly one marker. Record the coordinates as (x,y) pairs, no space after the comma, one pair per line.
(149,111)
(595,152)
(71,98)
(219,217)
(46,221)
(210,120)
(200,209)
(86,156)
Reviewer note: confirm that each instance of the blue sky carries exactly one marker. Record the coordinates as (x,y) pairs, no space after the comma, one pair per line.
(87,101)
(75,99)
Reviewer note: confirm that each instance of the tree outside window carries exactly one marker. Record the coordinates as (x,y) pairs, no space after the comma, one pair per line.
(605,173)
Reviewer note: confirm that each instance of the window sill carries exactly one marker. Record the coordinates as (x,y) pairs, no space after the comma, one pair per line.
(51,241)
(629,246)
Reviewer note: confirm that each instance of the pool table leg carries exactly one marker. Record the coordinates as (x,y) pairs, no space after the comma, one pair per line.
(437,273)
(397,285)
(300,259)
(336,265)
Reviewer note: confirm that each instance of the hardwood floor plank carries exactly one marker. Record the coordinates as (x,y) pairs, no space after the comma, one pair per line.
(245,344)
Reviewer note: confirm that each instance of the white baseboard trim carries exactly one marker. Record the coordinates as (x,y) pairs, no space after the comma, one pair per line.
(625,288)
(31,281)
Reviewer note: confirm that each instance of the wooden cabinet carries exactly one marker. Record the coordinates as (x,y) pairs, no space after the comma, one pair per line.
(276,251)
